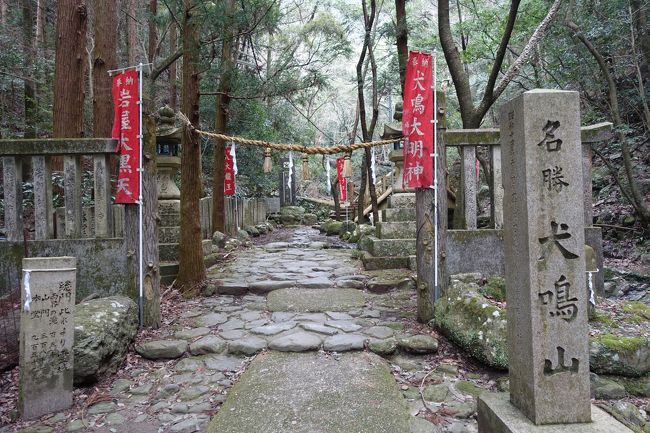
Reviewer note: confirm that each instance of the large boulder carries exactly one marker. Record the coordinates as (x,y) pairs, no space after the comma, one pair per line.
(104,329)
(291,215)
(310,219)
(620,355)
(332,227)
(469,320)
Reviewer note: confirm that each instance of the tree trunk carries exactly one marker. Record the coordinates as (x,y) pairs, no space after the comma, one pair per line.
(70,69)
(191,267)
(153,36)
(221,122)
(31,109)
(402,40)
(3,12)
(638,201)
(131,32)
(104,59)
(173,87)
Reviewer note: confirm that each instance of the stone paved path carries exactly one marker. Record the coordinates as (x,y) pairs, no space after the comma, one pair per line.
(315,327)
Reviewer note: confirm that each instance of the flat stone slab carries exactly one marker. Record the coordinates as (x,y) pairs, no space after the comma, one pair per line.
(315,300)
(497,415)
(312,392)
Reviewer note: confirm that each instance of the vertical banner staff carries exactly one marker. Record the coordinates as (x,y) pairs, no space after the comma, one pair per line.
(127,130)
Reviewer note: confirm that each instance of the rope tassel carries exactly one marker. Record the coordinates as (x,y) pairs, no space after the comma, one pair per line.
(306,173)
(268,163)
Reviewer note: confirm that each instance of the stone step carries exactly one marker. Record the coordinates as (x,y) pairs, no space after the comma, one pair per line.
(402,200)
(397,230)
(169,219)
(314,392)
(170,251)
(168,235)
(170,268)
(391,247)
(398,214)
(372,263)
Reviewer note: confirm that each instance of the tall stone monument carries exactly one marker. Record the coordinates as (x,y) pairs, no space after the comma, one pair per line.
(548,353)
(47,335)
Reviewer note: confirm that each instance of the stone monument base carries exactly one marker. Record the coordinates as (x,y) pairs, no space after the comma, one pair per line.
(497,415)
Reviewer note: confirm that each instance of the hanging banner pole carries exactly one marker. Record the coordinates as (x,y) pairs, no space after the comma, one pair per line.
(140,202)
(436,287)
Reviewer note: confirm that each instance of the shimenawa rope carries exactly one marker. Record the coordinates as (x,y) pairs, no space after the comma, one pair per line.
(315,150)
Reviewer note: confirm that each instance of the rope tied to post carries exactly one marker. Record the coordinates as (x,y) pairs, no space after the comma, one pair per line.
(313,150)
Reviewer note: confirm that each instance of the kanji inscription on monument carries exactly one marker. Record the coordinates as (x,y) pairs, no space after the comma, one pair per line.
(544,248)
(46,335)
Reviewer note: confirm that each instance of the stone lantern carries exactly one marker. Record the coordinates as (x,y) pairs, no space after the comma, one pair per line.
(168,163)
(168,139)
(393,130)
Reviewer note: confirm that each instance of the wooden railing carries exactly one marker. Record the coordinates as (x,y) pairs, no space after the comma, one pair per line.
(41,152)
(383,188)
(468,140)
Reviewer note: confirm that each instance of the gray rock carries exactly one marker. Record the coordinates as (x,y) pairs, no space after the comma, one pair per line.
(162,349)
(619,355)
(606,389)
(628,414)
(115,419)
(380,332)
(418,344)
(193,392)
(232,324)
(232,334)
(469,320)
(104,328)
(273,329)
(188,365)
(143,389)
(120,386)
(318,328)
(207,344)
(383,347)
(102,407)
(222,362)
(343,325)
(219,239)
(309,219)
(298,342)
(166,391)
(436,393)
(188,425)
(75,425)
(191,334)
(344,342)
(211,319)
(243,236)
(421,425)
(247,346)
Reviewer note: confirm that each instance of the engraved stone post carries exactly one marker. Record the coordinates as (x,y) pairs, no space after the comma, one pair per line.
(103,207)
(468,183)
(13,188)
(548,352)
(46,335)
(72,189)
(544,251)
(43,226)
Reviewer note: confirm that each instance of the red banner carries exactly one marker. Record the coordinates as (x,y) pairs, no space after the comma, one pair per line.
(417,122)
(126,129)
(343,184)
(229,174)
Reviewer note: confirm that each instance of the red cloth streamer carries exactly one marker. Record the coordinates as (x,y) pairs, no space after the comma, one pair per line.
(228,174)
(343,184)
(417,122)
(126,130)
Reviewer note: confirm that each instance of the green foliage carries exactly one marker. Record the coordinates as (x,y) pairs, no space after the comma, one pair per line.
(494,288)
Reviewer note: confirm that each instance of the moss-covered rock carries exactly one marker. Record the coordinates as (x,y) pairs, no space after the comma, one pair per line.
(619,355)
(292,215)
(104,328)
(470,321)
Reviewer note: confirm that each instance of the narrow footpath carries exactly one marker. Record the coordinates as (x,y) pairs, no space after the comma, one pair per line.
(292,337)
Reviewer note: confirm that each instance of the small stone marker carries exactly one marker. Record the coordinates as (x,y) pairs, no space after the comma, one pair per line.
(548,352)
(47,335)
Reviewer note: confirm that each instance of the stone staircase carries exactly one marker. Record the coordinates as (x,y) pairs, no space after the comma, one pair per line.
(394,246)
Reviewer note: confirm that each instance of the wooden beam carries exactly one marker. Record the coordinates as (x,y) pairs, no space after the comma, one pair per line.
(58,146)
(490,136)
